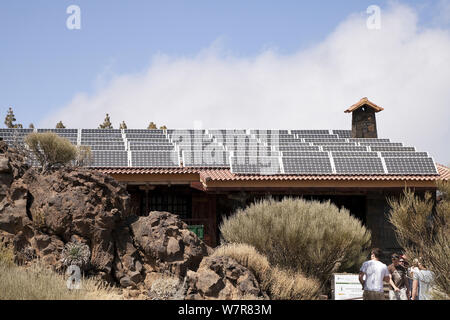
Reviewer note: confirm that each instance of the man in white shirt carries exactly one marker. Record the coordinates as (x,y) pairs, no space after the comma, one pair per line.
(371,276)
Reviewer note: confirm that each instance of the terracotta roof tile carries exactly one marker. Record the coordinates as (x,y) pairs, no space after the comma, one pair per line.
(226,175)
(364,101)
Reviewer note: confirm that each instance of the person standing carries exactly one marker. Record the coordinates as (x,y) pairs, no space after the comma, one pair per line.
(371,276)
(423,278)
(398,283)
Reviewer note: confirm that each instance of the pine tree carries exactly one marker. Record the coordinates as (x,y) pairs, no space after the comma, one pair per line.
(123,125)
(10,118)
(106,124)
(152,126)
(60,125)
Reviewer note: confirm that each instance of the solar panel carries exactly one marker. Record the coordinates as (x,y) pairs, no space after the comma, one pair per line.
(297,148)
(186,131)
(227,131)
(360,165)
(343,133)
(381,144)
(344,148)
(214,158)
(155,159)
(410,165)
(158,147)
(144,131)
(307,165)
(324,140)
(317,136)
(334,143)
(185,141)
(385,148)
(255,165)
(106,147)
(404,154)
(305,154)
(368,140)
(60,131)
(101,131)
(109,159)
(353,154)
(268,132)
(310,131)
(255,153)
(145,135)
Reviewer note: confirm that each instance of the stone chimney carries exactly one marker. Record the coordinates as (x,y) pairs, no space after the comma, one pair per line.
(364,123)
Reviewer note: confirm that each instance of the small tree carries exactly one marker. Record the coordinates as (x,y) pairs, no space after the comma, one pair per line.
(123,125)
(423,230)
(84,156)
(163,127)
(152,126)
(31,126)
(10,118)
(311,237)
(60,125)
(50,149)
(106,123)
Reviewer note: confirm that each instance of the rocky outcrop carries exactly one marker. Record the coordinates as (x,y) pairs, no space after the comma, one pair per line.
(224,279)
(167,244)
(40,212)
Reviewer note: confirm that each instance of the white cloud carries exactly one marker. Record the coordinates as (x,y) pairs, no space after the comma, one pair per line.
(401,67)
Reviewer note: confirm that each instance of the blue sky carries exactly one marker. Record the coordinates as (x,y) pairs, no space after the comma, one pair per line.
(44,66)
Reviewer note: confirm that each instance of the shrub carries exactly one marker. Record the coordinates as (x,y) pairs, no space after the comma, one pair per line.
(167,287)
(75,253)
(84,156)
(424,233)
(279,284)
(50,149)
(310,237)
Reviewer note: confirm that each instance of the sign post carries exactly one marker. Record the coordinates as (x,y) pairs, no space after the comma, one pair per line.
(346,286)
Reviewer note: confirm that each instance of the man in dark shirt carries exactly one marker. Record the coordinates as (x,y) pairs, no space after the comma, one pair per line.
(398,283)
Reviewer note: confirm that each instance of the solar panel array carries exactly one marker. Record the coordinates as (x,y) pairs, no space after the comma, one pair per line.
(301,152)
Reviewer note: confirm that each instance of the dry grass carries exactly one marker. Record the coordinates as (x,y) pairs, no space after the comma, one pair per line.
(279,284)
(290,285)
(40,283)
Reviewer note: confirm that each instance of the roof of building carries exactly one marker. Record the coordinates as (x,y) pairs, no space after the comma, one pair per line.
(364,102)
(224,174)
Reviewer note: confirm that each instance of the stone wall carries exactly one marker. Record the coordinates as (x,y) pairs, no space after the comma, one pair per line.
(364,123)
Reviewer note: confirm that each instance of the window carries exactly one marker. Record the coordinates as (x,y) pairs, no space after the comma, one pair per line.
(178,204)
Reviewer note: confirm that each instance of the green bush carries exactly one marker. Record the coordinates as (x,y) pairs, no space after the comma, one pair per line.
(311,237)
(50,149)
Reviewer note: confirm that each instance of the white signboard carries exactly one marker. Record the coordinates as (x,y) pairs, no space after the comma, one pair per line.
(347,286)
